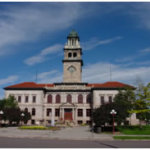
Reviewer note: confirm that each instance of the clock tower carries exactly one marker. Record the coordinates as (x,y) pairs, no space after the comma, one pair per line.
(72,61)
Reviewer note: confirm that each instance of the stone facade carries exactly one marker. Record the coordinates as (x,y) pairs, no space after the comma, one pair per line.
(70,100)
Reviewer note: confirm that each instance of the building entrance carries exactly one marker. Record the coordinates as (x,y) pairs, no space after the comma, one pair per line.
(68,114)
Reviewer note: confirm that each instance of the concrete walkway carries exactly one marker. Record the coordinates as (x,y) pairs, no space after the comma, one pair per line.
(74,133)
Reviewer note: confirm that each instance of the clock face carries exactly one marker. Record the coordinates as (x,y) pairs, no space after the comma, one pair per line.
(71,69)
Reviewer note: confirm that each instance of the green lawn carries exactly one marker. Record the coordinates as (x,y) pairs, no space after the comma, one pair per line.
(131,137)
(135,130)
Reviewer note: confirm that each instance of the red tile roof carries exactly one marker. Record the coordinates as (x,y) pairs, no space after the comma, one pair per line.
(92,85)
(111,84)
(29,85)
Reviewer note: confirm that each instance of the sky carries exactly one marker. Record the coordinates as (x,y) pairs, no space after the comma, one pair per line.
(115,39)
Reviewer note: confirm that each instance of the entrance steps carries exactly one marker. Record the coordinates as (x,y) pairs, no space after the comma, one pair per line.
(66,123)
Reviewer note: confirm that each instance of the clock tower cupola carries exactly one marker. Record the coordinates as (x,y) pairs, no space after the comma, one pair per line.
(72,62)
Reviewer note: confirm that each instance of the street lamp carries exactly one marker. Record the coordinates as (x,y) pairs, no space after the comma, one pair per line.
(1,113)
(113,113)
(22,115)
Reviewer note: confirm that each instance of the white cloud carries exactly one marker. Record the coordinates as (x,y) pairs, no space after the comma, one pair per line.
(146,50)
(138,54)
(94,42)
(29,21)
(100,72)
(50,77)
(140,12)
(42,56)
(8,80)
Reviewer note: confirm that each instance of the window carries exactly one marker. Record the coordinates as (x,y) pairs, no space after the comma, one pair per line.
(110,99)
(88,112)
(57,98)
(69,98)
(88,122)
(49,99)
(88,98)
(102,100)
(33,112)
(69,55)
(26,109)
(80,99)
(57,112)
(80,122)
(32,121)
(80,112)
(74,54)
(48,111)
(26,99)
(34,99)
(19,99)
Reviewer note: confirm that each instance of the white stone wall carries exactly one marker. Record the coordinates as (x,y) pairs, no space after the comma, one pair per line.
(106,93)
(38,105)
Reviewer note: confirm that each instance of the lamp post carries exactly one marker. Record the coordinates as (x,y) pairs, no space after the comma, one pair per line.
(1,113)
(113,113)
(22,115)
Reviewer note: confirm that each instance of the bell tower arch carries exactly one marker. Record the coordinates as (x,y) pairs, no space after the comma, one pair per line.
(72,62)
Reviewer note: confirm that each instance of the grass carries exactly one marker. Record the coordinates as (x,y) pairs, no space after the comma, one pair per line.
(38,128)
(131,137)
(135,130)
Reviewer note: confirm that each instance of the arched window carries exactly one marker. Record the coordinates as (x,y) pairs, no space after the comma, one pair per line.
(75,54)
(58,98)
(33,111)
(26,109)
(49,99)
(69,98)
(88,98)
(69,55)
(80,99)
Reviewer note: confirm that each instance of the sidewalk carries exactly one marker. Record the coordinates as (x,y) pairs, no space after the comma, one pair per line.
(75,133)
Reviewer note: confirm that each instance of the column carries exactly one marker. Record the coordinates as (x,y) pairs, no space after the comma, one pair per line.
(63,113)
(84,115)
(53,117)
(75,115)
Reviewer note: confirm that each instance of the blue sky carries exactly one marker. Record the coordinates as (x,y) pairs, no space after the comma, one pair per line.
(32,37)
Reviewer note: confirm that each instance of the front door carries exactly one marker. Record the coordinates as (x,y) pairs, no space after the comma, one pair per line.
(68,114)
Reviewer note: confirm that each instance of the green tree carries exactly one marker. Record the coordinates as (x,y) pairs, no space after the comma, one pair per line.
(142,103)
(12,112)
(123,104)
(102,115)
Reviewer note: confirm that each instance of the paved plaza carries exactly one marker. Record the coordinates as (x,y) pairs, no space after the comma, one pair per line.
(69,133)
(76,137)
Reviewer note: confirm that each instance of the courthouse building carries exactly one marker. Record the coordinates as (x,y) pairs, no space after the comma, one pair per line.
(71,100)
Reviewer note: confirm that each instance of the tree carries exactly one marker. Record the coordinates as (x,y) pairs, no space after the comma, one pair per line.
(142,103)
(26,117)
(123,103)
(102,115)
(12,112)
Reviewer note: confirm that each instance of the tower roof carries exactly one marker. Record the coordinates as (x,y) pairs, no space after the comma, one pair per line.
(73,34)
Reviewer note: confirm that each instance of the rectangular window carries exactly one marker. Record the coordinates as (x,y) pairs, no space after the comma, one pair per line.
(80,112)
(32,121)
(26,99)
(19,99)
(80,122)
(110,99)
(102,100)
(57,112)
(88,112)
(48,111)
(34,99)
